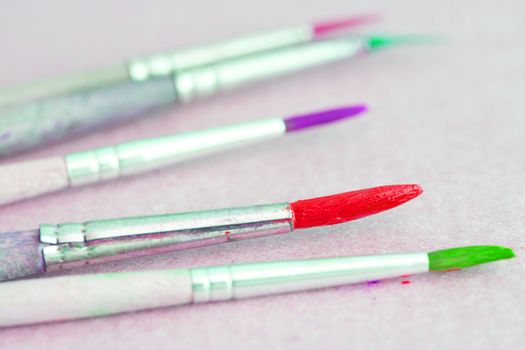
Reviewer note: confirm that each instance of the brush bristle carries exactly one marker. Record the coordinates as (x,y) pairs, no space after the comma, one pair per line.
(33,178)
(379,41)
(321,29)
(304,121)
(348,206)
(458,258)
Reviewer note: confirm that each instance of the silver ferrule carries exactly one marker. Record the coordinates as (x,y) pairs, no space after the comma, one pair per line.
(168,63)
(210,79)
(144,155)
(76,244)
(250,280)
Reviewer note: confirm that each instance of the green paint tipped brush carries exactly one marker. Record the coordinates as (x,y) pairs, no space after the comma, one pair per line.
(72,297)
(28,125)
(459,258)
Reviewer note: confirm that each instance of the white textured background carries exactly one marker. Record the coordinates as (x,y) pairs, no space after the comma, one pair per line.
(450,117)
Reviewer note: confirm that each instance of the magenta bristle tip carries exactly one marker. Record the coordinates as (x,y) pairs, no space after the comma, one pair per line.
(299,122)
(327,27)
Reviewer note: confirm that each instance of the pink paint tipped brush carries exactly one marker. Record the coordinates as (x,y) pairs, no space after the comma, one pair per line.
(33,178)
(164,64)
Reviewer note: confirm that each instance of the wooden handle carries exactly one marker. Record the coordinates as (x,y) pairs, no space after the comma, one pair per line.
(64,84)
(20,255)
(71,297)
(51,119)
(24,180)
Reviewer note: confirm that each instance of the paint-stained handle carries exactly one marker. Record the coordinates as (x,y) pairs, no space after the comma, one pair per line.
(72,297)
(20,255)
(27,125)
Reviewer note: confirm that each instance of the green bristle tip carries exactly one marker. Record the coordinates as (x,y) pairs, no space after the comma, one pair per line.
(459,258)
(379,41)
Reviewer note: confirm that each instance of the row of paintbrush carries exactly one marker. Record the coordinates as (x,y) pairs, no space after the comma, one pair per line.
(58,247)
(48,111)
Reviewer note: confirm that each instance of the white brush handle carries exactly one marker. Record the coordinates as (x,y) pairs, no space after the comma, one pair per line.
(24,180)
(71,297)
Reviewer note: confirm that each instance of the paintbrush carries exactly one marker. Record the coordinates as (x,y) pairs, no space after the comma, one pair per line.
(25,180)
(72,297)
(29,125)
(167,63)
(56,247)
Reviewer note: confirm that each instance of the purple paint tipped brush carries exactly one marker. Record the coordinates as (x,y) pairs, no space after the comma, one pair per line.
(312,119)
(29,179)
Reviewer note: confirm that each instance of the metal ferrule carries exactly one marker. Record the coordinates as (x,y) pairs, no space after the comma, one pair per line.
(208,80)
(77,244)
(143,155)
(165,64)
(250,280)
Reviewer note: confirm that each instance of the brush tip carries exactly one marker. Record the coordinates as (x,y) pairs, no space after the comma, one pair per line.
(298,122)
(381,41)
(404,193)
(323,28)
(339,208)
(462,257)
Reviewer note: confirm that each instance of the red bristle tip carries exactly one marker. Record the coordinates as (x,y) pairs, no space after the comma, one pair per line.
(327,27)
(349,206)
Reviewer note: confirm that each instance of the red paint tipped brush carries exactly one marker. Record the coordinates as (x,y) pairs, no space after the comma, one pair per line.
(55,247)
(339,208)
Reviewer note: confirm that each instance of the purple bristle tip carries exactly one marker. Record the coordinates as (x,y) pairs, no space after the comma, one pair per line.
(299,122)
